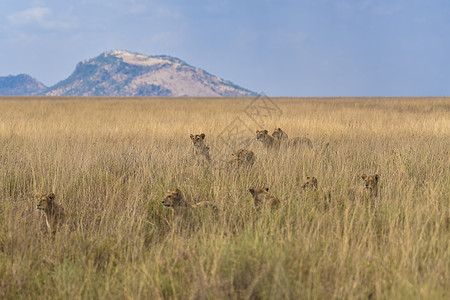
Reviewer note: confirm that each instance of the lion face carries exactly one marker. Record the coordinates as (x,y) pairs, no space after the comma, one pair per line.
(172,198)
(311,183)
(256,192)
(239,154)
(45,201)
(371,183)
(243,155)
(279,134)
(198,140)
(261,135)
(261,196)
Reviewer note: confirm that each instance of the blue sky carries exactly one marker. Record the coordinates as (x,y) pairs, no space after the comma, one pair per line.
(279,47)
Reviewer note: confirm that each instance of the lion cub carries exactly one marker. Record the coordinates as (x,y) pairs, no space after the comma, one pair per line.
(310,184)
(199,146)
(266,141)
(311,189)
(54,214)
(371,183)
(301,141)
(262,196)
(175,201)
(282,137)
(243,157)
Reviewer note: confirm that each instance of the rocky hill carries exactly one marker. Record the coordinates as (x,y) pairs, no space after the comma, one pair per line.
(21,84)
(123,73)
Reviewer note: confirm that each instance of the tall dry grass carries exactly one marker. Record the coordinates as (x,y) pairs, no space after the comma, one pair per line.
(110,161)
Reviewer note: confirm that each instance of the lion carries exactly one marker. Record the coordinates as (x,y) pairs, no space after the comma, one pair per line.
(54,213)
(199,146)
(310,184)
(300,141)
(321,197)
(175,200)
(282,137)
(243,157)
(371,183)
(265,140)
(261,196)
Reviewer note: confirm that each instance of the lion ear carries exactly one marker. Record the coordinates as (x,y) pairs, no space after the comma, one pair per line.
(267,189)
(192,136)
(364,176)
(37,195)
(177,192)
(251,191)
(202,135)
(265,131)
(51,196)
(257,130)
(308,178)
(377,177)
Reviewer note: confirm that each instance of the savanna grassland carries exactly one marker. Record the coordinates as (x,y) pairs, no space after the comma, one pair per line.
(110,162)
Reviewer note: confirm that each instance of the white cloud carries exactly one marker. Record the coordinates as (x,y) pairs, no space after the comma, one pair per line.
(41,17)
(31,15)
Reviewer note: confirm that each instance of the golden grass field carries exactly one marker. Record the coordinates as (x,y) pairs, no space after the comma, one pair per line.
(110,162)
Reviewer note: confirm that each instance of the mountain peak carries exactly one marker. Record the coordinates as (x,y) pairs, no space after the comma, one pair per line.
(125,73)
(138,59)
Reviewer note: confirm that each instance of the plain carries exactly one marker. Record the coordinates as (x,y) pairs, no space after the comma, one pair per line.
(110,161)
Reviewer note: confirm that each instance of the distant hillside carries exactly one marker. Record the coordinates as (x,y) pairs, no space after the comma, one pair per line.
(122,73)
(21,84)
